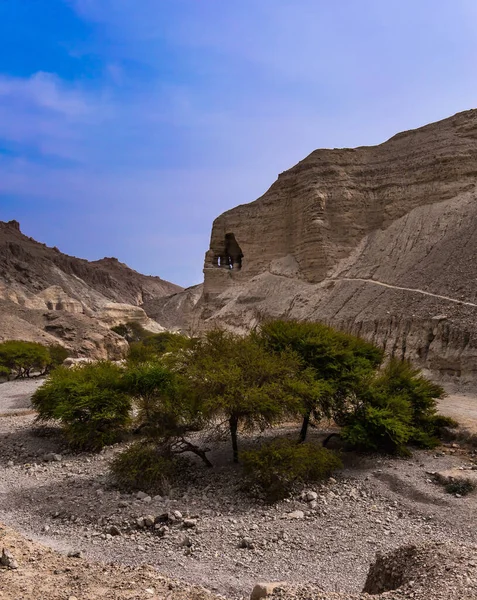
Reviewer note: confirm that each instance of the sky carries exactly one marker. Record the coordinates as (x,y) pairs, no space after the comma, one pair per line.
(127,126)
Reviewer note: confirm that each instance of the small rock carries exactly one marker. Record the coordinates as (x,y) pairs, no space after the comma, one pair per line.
(114,530)
(140,523)
(141,495)
(177,514)
(264,590)
(296,514)
(247,542)
(8,560)
(10,463)
(310,496)
(75,554)
(189,523)
(186,541)
(164,518)
(147,500)
(148,521)
(162,530)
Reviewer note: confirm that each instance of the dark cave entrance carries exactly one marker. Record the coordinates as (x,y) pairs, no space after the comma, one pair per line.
(232,255)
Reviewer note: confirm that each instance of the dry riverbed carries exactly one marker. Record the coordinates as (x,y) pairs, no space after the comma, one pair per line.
(216,536)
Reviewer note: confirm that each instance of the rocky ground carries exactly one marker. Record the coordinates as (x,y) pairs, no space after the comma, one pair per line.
(214,534)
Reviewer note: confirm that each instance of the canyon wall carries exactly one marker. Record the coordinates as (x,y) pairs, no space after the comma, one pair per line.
(377,240)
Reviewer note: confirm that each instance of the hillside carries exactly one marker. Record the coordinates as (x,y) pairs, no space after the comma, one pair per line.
(48,296)
(377,240)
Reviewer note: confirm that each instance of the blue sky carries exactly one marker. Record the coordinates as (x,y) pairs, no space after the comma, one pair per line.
(127,126)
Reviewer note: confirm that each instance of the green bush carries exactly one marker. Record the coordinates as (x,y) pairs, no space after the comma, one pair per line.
(89,401)
(167,408)
(276,467)
(24,358)
(4,372)
(58,355)
(157,345)
(460,486)
(240,382)
(143,466)
(131,331)
(395,409)
(335,364)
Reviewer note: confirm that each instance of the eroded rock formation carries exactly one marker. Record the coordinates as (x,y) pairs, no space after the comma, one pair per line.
(50,297)
(377,240)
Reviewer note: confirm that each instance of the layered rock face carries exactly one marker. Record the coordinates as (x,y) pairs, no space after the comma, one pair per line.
(377,240)
(50,297)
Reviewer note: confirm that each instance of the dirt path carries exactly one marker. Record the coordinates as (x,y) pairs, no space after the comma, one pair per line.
(405,289)
(462,408)
(15,396)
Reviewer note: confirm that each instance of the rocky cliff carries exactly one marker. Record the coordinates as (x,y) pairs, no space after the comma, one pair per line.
(48,296)
(377,240)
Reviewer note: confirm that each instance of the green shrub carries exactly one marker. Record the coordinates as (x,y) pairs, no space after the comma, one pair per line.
(58,355)
(460,486)
(167,408)
(337,362)
(395,409)
(276,467)
(240,382)
(24,358)
(156,345)
(89,401)
(4,372)
(168,342)
(143,466)
(131,331)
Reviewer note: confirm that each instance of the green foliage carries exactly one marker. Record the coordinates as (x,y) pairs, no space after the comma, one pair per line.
(462,487)
(165,408)
(336,363)
(396,408)
(167,341)
(58,354)
(4,372)
(89,401)
(24,358)
(131,331)
(143,466)
(239,380)
(277,466)
(157,345)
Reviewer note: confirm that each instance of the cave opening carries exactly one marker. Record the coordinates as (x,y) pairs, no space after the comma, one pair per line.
(231,255)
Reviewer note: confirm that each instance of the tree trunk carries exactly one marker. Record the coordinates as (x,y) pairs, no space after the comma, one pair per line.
(304,427)
(233,424)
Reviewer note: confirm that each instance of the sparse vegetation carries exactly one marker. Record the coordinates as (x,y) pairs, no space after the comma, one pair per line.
(336,365)
(241,382)
(460,487)
(89,402)
(396,408)
(23,359)
(277,466)
(131,331)
(143,467)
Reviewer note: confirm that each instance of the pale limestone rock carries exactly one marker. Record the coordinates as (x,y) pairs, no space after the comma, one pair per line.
(374,240)
(264,590)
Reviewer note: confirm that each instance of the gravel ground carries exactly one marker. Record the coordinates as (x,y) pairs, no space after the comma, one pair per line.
(231,542)
(15,396)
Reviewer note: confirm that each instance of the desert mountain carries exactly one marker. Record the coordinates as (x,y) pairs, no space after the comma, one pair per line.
(377,240)
(48,296)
